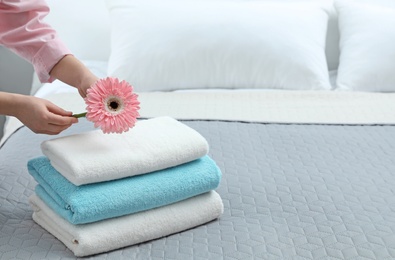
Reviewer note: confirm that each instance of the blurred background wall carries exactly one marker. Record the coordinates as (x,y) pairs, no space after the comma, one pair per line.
(16,76)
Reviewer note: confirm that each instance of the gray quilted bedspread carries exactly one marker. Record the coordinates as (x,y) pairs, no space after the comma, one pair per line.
(290,192)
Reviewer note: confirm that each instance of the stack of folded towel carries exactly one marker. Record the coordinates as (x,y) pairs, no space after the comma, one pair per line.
(99,192)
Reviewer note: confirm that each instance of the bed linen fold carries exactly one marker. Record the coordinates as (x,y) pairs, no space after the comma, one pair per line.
(152,145)
(98,201)
(106,235)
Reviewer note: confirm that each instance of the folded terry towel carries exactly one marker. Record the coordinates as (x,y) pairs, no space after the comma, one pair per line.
(110,234)
(153,144)
(98,201)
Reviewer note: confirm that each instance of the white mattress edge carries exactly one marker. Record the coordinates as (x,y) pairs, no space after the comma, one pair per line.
(309,107)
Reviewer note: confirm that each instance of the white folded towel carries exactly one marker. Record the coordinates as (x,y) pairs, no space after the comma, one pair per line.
(114,233)
(153,144)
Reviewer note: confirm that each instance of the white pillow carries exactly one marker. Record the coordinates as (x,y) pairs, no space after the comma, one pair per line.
(84,26)
(169,45)
(367,45)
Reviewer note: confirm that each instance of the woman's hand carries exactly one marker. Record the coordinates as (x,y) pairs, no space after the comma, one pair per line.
(39,115)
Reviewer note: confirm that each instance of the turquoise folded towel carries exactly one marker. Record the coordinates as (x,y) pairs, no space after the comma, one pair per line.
(103,200)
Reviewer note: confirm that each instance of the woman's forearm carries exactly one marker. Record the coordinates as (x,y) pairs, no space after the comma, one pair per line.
(72,72)
(10,103)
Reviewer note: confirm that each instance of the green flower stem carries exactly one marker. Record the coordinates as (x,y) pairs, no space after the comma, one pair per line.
(79,115)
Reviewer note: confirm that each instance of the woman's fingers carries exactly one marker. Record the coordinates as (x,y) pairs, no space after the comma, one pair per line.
(44,117)
(59,120)
(56,129)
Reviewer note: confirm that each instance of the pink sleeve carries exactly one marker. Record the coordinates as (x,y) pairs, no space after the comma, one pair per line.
(23,31)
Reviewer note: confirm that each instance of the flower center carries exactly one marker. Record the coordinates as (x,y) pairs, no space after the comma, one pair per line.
(114,105)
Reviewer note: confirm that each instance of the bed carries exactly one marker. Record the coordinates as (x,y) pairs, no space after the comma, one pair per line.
(307,169)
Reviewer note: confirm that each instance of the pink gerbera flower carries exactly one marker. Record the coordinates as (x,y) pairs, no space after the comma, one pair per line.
(112,105)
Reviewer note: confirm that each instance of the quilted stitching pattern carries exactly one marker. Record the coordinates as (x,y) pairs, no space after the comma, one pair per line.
(290,192)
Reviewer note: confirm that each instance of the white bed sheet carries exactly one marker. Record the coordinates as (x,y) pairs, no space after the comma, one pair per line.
(252,105)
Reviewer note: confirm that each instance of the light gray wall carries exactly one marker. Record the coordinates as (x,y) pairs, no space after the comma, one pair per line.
(15,76)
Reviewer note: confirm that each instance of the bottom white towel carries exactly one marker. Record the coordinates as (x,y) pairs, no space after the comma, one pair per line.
(110,234)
